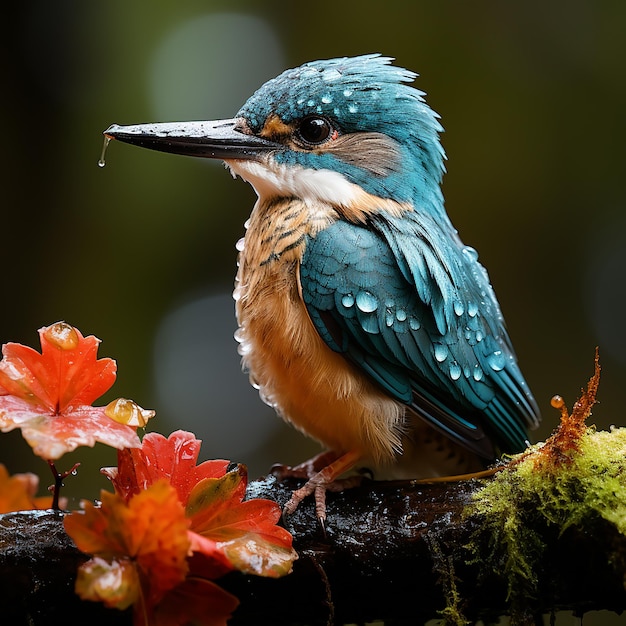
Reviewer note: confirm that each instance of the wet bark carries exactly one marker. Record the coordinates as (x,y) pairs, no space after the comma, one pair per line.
(392,552)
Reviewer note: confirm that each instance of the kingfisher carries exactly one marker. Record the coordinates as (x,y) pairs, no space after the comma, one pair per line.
(364,320)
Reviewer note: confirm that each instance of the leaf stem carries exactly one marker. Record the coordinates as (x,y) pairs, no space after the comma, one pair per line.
(59,477)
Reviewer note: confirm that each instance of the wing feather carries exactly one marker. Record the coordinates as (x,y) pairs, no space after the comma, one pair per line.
(412,307)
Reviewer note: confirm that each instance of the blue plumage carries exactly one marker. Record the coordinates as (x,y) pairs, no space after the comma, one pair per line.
(363,92)
(420,318)
(425,323)
(360,309)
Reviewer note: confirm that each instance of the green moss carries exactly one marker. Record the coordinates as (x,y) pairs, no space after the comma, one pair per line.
(443,566)
(505,541)
(547,490)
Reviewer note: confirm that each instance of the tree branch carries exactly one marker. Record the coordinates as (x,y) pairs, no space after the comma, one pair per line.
(402,552)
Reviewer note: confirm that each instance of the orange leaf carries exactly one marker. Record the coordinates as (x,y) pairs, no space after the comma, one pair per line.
(212,496)
(245,533)
(52,437)
(48,395)
(173,458)
(150,529)
(208,559)
(252,553)
(17,492)
(225,532)
(115,583)
(66,374)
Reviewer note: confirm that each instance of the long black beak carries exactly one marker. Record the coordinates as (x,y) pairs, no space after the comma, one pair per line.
(211,140)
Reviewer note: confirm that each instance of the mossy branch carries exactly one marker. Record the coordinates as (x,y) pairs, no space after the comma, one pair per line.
(546,532)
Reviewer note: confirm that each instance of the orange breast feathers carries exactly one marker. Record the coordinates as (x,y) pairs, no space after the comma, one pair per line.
(307,383)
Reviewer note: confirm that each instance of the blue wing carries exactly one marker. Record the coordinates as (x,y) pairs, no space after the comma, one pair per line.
(412,307)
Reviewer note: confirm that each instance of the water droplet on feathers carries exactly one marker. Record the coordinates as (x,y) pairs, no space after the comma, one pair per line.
(366,302)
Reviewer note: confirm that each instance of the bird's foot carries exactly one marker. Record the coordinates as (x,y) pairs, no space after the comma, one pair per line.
(308,469)
(323,480)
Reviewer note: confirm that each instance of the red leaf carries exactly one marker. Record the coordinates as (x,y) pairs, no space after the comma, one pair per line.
(51,436)
(66,374)
(48,395)
(196,601)
(225,532)
(173,458)
(241,534)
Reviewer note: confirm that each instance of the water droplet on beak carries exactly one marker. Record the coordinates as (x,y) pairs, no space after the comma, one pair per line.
(105,145)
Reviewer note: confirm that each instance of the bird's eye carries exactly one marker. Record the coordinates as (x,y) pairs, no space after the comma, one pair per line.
(314,131)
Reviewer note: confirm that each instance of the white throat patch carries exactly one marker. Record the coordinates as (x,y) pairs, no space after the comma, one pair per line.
(311,186)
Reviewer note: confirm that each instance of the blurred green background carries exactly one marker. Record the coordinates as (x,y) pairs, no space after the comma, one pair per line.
(142,252)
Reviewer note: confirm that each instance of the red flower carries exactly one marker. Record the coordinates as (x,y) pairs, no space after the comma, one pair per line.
(48,395)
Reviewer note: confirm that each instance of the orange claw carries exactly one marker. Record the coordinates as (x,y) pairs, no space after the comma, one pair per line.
(325,479)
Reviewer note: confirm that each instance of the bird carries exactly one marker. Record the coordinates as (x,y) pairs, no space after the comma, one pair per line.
(363,319)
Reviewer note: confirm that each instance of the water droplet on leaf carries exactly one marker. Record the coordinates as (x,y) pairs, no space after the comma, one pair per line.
(124,411)
(62,335)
